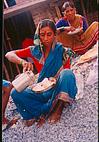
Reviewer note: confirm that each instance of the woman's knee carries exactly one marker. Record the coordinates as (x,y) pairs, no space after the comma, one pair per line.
(66,73)
(14,93)
(94,25)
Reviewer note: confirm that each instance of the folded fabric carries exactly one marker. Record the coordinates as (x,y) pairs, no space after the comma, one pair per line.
(89,55)
(93,74)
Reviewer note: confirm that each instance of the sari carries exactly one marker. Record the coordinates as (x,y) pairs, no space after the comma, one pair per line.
(81,42)
(5,83)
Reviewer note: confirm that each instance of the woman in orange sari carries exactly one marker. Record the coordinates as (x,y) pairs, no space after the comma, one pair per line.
(79,41)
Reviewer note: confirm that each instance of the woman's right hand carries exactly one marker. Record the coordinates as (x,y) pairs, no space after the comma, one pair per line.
(65,29)
(27,66)
(70,28)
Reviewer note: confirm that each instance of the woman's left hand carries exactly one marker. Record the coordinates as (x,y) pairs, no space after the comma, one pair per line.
(71,28)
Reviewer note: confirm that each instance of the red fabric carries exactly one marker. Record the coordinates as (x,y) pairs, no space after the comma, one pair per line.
(27,42)
(37,65)
(67,65)
(24,53)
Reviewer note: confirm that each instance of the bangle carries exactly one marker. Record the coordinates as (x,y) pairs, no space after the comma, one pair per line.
(62,29)
(21,62)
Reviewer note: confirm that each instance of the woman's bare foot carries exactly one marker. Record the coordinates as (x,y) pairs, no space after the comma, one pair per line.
(56,114)
(41,122)
(10,123)
(29,123)
(5,120)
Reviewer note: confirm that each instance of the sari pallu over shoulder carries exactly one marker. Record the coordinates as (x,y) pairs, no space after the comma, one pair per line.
(53,62)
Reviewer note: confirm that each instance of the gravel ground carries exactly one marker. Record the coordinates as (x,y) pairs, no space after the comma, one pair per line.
(78,123)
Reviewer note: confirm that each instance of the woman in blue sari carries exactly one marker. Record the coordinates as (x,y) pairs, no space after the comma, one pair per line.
(52,55)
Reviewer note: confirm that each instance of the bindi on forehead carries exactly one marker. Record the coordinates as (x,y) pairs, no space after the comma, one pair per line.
(45,32)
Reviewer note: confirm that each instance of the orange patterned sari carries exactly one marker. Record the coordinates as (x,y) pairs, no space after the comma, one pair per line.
(81,42)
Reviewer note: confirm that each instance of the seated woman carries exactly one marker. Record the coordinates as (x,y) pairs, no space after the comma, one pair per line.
(30,104)
(79,41)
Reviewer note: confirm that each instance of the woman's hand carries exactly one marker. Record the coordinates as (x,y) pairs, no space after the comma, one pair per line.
(65,29)
(70,28)
(27,66)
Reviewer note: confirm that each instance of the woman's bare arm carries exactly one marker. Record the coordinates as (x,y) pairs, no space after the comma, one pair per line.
(12,57)
(66,29)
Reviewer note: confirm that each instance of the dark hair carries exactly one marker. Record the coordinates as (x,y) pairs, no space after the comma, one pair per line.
(47,22)
(67,4)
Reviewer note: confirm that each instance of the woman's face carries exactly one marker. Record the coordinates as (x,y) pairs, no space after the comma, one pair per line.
(47,36)
(69,13)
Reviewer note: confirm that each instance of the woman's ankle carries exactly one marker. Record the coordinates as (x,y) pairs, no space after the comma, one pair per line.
(4,120)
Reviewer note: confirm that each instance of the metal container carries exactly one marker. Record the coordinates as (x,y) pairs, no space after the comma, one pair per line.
(24,80)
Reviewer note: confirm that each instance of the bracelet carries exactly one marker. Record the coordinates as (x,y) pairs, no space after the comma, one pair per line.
(62,29)
(21,62)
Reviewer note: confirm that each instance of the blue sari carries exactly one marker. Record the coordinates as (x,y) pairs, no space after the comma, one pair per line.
(5,83)
(33,105)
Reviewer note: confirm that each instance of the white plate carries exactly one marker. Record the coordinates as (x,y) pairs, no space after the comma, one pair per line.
(75,32)
(45,85)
